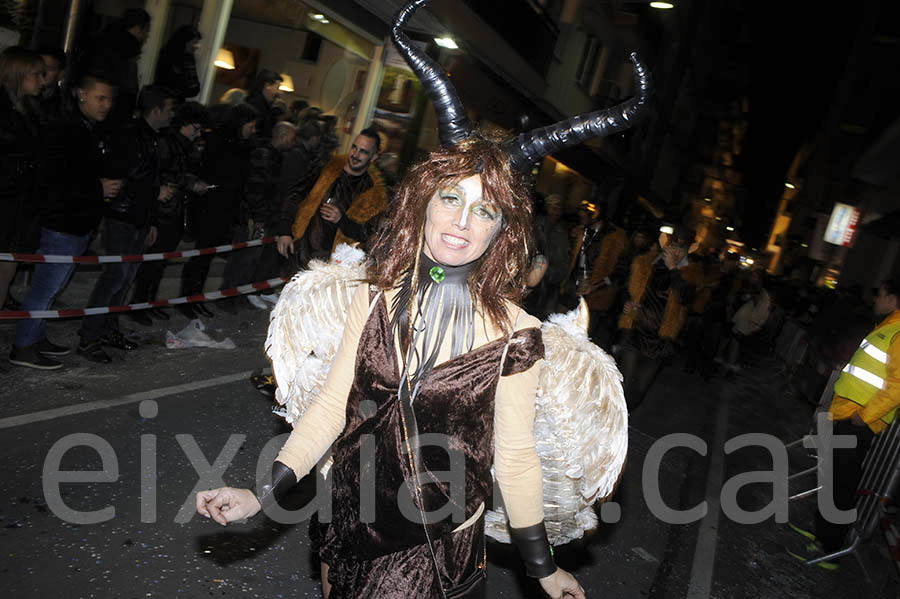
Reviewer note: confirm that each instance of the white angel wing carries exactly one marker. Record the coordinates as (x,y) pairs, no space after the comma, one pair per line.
(306,325)
(580,429)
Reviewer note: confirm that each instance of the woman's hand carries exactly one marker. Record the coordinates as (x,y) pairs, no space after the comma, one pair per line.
(561,584)
(227,504)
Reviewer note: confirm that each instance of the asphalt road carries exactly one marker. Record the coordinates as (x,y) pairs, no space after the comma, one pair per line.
(165,421)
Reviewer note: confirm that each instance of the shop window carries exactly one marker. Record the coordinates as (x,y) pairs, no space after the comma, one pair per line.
(311,47)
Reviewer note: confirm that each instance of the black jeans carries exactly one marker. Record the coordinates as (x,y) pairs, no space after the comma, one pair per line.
(847,464)
(211,227)
(240,265)
(111,289)
(149,275)
(271,264)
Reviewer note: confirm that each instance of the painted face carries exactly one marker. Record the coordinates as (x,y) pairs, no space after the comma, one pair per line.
(460,223)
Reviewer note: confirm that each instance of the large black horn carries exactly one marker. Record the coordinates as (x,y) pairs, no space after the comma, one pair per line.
(453,124)
(528,148)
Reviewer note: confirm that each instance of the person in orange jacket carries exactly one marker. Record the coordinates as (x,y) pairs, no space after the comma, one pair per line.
(660,288)
(598,247)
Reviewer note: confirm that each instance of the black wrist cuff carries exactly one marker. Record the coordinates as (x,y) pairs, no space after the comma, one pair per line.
(283,478)
(534,548)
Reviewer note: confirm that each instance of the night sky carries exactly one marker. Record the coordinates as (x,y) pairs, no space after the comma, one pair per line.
(798,56)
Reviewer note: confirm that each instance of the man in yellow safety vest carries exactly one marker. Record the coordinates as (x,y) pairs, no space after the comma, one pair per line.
(866,397)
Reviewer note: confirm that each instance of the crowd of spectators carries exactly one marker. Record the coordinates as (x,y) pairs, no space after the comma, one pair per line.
(87,152)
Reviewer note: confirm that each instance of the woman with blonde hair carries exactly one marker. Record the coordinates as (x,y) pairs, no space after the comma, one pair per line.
(21,80)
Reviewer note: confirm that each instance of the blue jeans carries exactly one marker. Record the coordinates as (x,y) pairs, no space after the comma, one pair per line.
(111,289)
(48,281)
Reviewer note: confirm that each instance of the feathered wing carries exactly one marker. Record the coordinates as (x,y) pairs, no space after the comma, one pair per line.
(580,429)
(581,420)
(306,325)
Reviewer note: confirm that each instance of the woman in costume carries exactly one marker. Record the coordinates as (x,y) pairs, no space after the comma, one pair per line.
(435,344)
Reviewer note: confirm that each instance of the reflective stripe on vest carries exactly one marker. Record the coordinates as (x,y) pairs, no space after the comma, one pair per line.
(873,351)
(864,376)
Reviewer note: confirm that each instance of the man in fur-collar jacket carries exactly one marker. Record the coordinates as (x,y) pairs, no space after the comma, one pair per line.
(339,206)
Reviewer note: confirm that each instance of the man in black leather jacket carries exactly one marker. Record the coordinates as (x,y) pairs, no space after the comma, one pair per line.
(130,217)
(179,165)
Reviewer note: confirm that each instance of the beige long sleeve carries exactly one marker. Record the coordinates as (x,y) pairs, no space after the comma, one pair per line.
(516,462)
(325,418)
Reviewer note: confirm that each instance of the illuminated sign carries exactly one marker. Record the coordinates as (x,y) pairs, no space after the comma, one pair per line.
(841,228)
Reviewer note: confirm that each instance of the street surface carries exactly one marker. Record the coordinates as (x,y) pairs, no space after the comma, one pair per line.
(195,404)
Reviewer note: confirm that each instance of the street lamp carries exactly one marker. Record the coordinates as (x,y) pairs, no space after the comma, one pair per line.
(662,5)
(790,185)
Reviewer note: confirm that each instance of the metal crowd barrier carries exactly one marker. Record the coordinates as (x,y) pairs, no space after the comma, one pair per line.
(878,487)
(823,406)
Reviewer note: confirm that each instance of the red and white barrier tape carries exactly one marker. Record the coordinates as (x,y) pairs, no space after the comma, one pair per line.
(219,249)
(187,299)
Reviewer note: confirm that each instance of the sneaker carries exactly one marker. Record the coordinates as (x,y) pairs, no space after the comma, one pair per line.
(30,357)
(264,383)
(93,351)
(802,532)
(806,551)
(272,298)
(12,304)
(141,317)
(118,341)
(48,348)
(257,302)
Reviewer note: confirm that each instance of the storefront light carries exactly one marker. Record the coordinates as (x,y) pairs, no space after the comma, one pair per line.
(662,5)
(446,42)
(729,229)
(287,83)
(668,230)
(224,59)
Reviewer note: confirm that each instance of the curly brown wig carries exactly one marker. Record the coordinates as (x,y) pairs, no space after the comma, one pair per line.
(499,274)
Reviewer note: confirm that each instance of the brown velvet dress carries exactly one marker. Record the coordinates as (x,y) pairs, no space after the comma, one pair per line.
(384,552)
